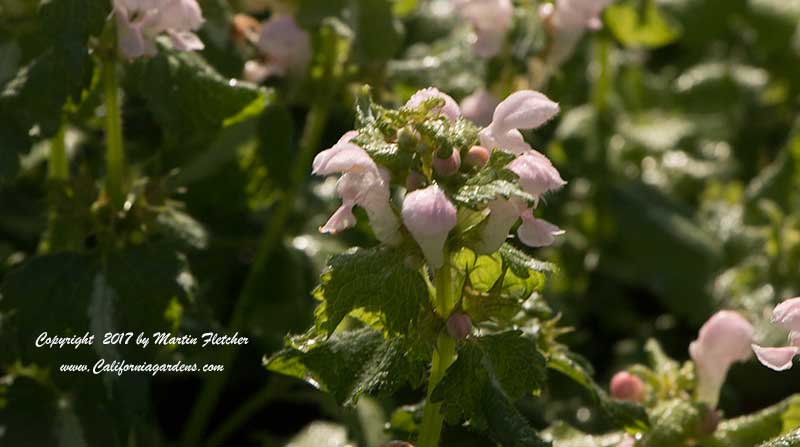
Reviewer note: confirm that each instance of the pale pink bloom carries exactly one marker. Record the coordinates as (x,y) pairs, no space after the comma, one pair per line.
(140,22)
(536,173)
(449,110)
(627,441)
(569,19)
(626,386)
(525,109)
(724,339)
(286,45)
(787,315)
(491,20)
(362,183)
(429,217)
(447,166)
(479,107)
(503,214)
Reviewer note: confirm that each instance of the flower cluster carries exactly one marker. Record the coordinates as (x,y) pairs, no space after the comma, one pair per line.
(140,22)
(786,315)
(436,174)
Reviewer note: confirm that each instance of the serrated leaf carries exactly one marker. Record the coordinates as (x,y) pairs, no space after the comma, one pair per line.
(520,263)
(376,280)
(351,364)
(673,422)
(749,430)
(564,435)
(188,98)
(789,440)
(623,413)
(490,373)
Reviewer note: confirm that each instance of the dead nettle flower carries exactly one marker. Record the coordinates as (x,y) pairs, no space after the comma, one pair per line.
(449,109)
(459,325)
(490,20)
(626,386)
(139,22)
(429,216)
(724,339)
(787,315)
(567,21)
(362,183)
(525,109)
(285,45)
(479,107)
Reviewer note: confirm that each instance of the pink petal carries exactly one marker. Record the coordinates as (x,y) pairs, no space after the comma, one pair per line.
(179,15)
(286,45)
(342,219)
(525,109)
(537,232)
(185,40)
(342,157)
(479,107)
(536,173)
(429,217)
(450,109)
(787,314)
(779,359)
(504,140)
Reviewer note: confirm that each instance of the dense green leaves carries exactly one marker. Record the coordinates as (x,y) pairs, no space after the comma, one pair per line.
(788,440)
(490,374)
(374,280)
(351,364)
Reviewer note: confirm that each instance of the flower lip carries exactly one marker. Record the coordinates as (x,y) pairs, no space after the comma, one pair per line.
(787,314)
(525,109)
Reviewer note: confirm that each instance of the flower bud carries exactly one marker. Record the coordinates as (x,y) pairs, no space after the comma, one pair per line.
(449,110)
(724,339)
(459,326)
(476,156)
(626,386)
(709,421)
(429,217)
(479,107)
(447,166)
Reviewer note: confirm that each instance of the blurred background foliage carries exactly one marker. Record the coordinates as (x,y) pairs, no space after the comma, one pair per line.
(678,136)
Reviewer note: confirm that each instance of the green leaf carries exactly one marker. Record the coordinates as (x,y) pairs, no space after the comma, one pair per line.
(378,38)
(490,182)
(520,263)
(188,98)
(623,413)
(641,26)
(749,430)
(789,440)
(673,422)
(350,364)
(565,436)
(490,373)
(375,280)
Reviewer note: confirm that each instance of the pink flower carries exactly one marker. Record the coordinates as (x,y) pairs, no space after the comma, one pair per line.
(569,19)
(525,109)
(627,441)
(362,183)
(477,156)
(450,108)
(479,107)
(503,213)
(626,386)
(139,22)
(724,339)
(446,167)
(429,217)
(786,314)
(286,45)
(536,173)
(459,325)
(490,19)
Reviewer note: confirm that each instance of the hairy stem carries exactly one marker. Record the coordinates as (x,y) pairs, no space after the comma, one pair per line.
(443,357)
(115,156)
(214,384)
(58,167)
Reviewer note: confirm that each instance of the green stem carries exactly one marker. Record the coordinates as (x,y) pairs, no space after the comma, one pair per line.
(115,157)
(443,357)
(58,166)
(213,386)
